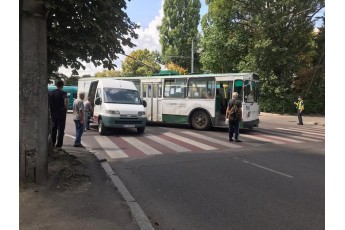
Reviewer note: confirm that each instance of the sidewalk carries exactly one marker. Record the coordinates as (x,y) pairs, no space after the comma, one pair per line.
(307,120)
(78,195)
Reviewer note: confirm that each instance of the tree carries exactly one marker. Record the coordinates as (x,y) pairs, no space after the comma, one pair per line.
(178,30)
(109,73)
(140,63)
(91,31)
(179,69)
(58,76)
(53,34)
(72,80)
(270,38)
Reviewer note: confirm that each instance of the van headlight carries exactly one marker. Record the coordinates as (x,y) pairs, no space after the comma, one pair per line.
(141,114)
(112,112)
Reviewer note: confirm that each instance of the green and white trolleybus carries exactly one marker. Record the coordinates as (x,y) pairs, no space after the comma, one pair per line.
(198,100)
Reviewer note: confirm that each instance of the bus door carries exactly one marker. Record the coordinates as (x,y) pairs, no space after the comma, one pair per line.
(224,89)
(152,94)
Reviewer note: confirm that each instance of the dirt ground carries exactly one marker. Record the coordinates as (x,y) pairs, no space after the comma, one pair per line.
(77,195)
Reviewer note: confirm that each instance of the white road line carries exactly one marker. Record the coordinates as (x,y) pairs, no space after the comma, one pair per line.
(190,141)
(302,131)
(148,150)
(294,136)
(306,139)
(262,139)
(110,147)
(314,129)
(271,170)
(167,144)
(216,141)
(221,136)
(283,138)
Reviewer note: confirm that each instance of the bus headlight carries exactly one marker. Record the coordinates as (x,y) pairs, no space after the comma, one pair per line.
(141,114)
(112,112)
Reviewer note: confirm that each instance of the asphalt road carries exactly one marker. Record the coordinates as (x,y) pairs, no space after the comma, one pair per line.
(262,185)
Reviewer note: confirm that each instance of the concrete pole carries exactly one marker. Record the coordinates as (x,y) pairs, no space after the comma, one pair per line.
(192,58)
(33,93)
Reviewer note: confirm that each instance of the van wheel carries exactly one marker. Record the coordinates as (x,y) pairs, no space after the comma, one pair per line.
(141,130)
(200,120)
(101,128)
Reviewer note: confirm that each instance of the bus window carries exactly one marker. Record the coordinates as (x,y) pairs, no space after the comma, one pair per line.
(255,89)
(175,88)
(248,94)
(227,87)
(250,91)
(160,90)
(137,85)
(198,88)
(144,90)
(239,88)
(149,91)
(155,90)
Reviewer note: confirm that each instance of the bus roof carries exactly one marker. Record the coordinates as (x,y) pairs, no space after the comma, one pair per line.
(194,76)
(70,88)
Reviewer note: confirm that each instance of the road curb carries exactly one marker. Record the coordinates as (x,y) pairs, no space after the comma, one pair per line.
(138,214)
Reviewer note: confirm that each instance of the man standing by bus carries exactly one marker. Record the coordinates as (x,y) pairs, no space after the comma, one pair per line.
(234,113)
(79,118)
(88,111)
(300,108)
(58,104)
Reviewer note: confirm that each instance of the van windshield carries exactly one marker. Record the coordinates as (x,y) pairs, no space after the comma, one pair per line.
(121,96)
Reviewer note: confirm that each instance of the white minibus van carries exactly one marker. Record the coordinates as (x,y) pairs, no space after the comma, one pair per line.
(117,104)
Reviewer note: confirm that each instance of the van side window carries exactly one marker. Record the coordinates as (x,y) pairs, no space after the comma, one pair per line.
(99,93)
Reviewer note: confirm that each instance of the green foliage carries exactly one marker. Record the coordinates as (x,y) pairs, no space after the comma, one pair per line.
(57,76)
(91,31)
(285,105)
(274,39)
(178,69)
(73,80)
(109,73)
(141,63)
(178,29)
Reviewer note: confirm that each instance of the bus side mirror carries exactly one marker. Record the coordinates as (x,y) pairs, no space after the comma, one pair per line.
(144,103)
(98,101)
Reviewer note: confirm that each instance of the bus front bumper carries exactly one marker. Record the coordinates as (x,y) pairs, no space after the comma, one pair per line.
(250,124)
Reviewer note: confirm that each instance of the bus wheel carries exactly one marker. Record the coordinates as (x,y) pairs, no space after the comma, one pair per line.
(141,130)
(101,128)
(200,120)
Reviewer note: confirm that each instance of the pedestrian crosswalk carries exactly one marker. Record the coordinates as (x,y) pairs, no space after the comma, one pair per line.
(161,141)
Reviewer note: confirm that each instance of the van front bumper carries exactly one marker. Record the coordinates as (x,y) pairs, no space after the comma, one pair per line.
(119,122)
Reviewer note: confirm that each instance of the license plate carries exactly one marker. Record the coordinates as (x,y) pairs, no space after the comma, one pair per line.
(128,126)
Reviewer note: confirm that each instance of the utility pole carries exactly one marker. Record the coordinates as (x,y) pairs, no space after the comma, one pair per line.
(192,54)
(192,58)
(33,93)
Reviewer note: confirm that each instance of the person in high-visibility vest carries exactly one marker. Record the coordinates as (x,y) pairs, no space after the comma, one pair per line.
(300,109)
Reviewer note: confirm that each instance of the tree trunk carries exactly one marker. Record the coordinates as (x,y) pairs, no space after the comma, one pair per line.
(33,93)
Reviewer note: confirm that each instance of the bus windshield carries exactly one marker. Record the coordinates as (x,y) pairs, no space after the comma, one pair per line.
(121,96)
(250,91)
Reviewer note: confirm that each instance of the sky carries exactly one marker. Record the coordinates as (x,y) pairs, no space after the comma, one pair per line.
(148,14)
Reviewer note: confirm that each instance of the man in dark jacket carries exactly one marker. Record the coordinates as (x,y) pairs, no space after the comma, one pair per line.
(58,104)
(235,116)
